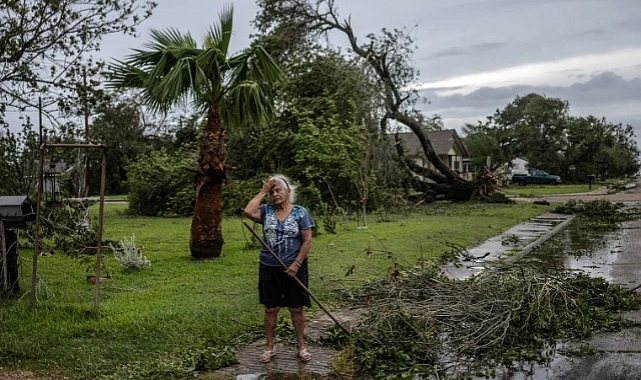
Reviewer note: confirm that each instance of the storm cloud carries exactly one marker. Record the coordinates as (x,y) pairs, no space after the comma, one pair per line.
(603,95)
(474,56)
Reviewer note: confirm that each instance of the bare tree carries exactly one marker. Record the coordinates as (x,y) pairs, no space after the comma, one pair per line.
(44,43)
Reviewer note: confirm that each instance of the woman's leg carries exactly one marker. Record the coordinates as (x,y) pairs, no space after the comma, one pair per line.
(298,320)
(271,317)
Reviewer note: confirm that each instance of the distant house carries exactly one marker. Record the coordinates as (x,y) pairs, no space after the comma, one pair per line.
(447,144)
(516,166)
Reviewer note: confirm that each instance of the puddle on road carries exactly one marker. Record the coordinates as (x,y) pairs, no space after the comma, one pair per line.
(576,248)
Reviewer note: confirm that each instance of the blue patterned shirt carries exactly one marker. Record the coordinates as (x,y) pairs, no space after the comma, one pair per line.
(283,237)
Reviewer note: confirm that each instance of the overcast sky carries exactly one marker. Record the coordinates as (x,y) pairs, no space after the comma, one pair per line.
(475,56)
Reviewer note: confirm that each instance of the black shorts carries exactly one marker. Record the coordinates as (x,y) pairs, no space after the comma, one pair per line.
(277,289)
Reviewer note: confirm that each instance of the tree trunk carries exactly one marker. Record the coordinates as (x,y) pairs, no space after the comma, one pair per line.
(455,191)
(416,168)
(450,175)
(206,240)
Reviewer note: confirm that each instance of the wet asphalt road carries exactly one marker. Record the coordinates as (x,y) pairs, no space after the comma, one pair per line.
(618,355)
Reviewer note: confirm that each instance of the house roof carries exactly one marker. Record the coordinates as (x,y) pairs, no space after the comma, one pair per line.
(442,141)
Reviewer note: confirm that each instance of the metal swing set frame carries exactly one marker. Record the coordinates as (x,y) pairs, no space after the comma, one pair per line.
(103,177)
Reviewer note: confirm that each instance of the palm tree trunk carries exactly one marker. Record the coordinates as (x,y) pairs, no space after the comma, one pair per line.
(206,240)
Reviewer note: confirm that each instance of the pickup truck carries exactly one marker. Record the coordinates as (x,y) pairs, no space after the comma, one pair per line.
(536,177)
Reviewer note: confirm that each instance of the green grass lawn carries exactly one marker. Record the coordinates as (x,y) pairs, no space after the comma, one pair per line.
(117,197)
(152,322)
(539,190)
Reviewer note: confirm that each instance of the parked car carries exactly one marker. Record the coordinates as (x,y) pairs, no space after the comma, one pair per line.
(536,177)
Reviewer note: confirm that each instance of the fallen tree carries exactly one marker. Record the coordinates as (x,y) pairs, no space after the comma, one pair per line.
(387,57)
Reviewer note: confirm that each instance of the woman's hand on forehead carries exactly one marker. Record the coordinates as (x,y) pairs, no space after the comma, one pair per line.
(269,184)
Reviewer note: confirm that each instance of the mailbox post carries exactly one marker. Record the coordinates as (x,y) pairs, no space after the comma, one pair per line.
(16,212)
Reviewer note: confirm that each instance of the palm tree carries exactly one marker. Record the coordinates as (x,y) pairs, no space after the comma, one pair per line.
(235,92)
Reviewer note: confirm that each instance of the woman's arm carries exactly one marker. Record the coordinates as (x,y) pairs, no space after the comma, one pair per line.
(252,210)
(305,245)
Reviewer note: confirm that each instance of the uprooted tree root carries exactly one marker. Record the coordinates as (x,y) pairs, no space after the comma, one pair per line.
(425,324)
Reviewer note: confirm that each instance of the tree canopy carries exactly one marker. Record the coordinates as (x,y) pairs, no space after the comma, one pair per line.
(542,131)
(45,43)
(386,55)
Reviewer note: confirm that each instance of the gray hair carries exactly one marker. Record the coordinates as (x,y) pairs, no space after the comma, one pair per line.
(288,184)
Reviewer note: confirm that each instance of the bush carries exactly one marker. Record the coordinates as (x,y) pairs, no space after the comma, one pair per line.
(129,256)
(161,185)
(238,193)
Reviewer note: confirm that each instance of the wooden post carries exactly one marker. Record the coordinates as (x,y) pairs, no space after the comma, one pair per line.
(5,270)
(36,241)
(83,183)
(103,179)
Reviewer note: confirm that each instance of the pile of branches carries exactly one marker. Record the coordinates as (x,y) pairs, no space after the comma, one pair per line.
(428,325)
(68,229)
(599,214)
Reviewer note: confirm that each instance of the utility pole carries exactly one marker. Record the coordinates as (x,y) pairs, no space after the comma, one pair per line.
(83,172)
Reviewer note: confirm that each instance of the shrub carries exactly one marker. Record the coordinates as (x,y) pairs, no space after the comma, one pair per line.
(239,192)
(129,256)
(160,183)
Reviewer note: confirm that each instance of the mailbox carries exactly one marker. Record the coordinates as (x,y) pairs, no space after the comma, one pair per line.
(17,211)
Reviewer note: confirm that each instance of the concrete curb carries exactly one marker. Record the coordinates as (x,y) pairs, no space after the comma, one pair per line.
(493,251)
(543,238)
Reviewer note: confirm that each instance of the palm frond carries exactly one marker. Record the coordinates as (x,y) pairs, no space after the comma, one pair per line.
(164,72)
(263,62)
(219,35)
(170,39)
(123,75)
(247,106)
(173,69)
(249,89)
(144,58)
(256,65)
(213,63)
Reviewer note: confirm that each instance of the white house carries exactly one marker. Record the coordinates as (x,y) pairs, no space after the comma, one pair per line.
(519,166)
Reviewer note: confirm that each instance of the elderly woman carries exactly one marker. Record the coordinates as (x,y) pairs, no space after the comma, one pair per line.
(287,229)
